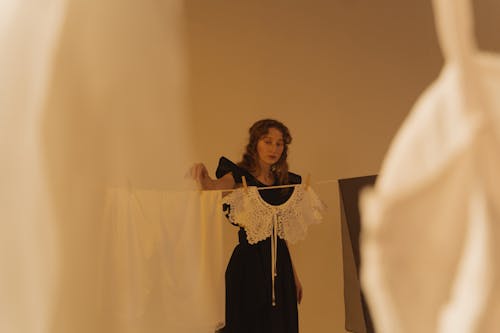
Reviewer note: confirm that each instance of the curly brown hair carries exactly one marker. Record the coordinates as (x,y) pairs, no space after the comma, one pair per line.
(250,156)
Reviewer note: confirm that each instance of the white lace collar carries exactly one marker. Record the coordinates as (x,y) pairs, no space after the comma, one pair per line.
(293,217)
(261,220)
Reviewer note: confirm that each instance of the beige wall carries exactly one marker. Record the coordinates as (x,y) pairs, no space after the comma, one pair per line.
(341,74)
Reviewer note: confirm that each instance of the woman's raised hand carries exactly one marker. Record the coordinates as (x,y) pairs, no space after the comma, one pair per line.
(199,173)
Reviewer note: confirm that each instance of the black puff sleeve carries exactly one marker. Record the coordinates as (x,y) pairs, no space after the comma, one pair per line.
(225,166)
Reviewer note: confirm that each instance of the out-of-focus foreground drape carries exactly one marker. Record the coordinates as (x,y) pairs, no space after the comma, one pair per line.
(92,102)
(430,241)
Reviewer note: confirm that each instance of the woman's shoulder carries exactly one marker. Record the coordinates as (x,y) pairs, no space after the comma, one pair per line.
(294,178)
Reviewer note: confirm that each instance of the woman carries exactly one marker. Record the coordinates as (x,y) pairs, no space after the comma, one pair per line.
(248,278)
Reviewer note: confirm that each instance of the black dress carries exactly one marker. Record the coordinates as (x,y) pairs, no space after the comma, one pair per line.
(249,306)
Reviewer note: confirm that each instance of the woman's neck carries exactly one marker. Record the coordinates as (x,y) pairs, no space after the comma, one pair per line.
(264,174)
(264,170)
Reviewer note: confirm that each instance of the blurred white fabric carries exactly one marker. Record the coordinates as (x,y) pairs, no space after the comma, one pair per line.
(28,248)
(92,97)
(430,232)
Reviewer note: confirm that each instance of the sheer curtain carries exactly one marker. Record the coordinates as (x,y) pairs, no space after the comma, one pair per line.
(92,100)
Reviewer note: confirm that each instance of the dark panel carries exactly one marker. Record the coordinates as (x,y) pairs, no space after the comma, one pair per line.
(358,318)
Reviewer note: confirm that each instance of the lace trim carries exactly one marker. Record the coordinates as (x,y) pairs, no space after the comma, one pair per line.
(251,212)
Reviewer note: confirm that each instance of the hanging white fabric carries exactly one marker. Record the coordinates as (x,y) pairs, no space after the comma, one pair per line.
(163,248)
(430,232)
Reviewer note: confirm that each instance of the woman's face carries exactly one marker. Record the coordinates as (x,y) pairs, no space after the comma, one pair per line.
(270,147)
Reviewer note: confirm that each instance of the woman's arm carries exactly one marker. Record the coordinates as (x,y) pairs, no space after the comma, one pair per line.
(200,174)
(298,285)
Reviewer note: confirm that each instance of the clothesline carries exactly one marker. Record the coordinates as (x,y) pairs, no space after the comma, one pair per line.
(321,182)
